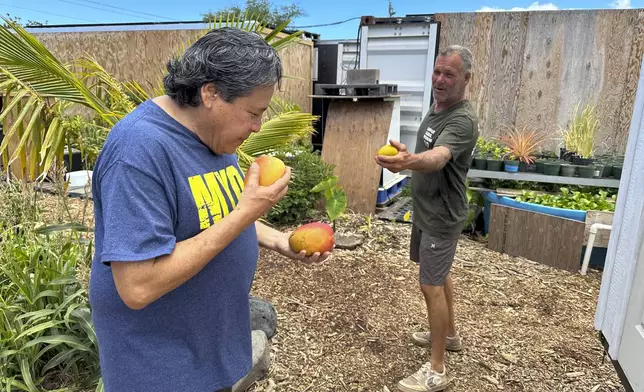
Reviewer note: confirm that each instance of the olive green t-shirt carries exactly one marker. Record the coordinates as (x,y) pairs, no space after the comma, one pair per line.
(439,198)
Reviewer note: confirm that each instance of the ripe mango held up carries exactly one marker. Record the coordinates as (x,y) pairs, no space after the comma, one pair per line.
(270,170)
(388,150)
(312,237)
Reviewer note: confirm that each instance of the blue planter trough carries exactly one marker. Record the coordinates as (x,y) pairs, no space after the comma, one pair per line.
(490,198)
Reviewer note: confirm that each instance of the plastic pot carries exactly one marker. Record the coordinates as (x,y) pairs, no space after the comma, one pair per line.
(551,168)
(586,171)
(568,170)
(511,166)
(582,161)
(617,171)
(607,170)
(480,163)
(599,169)
(494,164)
(539,166)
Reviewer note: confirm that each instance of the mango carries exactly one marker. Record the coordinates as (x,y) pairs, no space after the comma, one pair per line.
(312,237)
(271,169)
(388,150)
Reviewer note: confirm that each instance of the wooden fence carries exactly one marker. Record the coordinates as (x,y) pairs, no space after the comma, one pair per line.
(141,54)
(531,68)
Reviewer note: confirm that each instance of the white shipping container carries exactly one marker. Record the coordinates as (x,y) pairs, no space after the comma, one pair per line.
(403,49)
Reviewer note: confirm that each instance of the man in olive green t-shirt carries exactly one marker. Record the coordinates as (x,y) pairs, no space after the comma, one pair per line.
(446,138)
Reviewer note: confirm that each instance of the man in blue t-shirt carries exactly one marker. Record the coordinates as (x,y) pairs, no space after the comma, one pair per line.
(176,229)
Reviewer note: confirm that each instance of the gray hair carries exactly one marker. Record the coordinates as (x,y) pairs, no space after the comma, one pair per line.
(236,61)
(463,52)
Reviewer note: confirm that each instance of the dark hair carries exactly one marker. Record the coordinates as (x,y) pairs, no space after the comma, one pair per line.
(235,60)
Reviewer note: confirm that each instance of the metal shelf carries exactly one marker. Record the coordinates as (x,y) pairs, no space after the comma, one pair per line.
(536,177)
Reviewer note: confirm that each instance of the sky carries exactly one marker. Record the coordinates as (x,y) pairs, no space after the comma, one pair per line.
(319,12)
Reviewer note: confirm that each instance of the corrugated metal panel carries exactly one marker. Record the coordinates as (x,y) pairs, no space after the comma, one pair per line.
(404,53)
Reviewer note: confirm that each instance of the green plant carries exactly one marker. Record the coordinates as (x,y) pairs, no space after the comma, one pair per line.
(335,198)
(482,147)
(18,206)
(574,200)
(522,144)
(47,340)
(87,136)
(308,169)
(579,136)
(496,152)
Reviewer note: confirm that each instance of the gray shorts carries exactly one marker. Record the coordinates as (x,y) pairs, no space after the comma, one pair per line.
(434,255)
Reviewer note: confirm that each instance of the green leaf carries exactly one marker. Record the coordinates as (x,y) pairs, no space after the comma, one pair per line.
(336,204)
(325,185)
(69,340)
(75,227)
(27,377)
(38,328)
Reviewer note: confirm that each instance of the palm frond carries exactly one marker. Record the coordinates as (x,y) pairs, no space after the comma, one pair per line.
(30,72)
(106,85)
(279,130)
(25,60)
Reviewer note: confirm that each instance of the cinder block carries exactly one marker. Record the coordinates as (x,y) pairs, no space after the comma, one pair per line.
(363,76)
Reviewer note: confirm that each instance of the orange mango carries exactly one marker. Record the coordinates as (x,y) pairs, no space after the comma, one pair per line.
(312,237)
(271,169)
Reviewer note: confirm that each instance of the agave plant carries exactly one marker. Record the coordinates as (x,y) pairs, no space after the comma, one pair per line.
(38,89)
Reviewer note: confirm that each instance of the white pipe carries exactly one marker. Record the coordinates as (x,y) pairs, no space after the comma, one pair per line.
(591,240)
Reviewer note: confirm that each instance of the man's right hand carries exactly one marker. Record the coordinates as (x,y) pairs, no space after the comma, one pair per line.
(256,199)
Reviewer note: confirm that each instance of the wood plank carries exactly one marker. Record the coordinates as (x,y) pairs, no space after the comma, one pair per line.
(480,47)
(535,75)
(354,132)
(581,68)
(632,77)
(505,64)
(546,239)
(497,229)
(613,40)
(540,84)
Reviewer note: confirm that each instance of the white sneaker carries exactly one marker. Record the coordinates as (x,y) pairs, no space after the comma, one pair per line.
(424,339)
(425,380)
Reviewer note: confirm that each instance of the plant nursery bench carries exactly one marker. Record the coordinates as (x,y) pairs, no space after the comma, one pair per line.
(537,177)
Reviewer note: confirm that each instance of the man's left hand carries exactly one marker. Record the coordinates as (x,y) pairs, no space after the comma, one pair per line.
(283,247)
(398,162)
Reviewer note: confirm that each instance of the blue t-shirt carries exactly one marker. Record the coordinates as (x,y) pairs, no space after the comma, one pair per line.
(155,184)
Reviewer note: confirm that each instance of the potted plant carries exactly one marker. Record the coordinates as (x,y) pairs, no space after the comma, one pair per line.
(523,144)
(495,158)
(552,168)
(511,163)
(568,169)
(617,170)
(579,137)
(482,149)
(542,157)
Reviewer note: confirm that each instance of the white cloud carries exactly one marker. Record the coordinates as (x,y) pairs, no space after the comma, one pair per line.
(621,4)
(536,6)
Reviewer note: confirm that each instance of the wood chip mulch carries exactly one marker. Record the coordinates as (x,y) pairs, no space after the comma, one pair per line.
(344,325)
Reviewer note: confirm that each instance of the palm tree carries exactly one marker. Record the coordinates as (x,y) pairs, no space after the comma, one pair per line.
(39,88)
